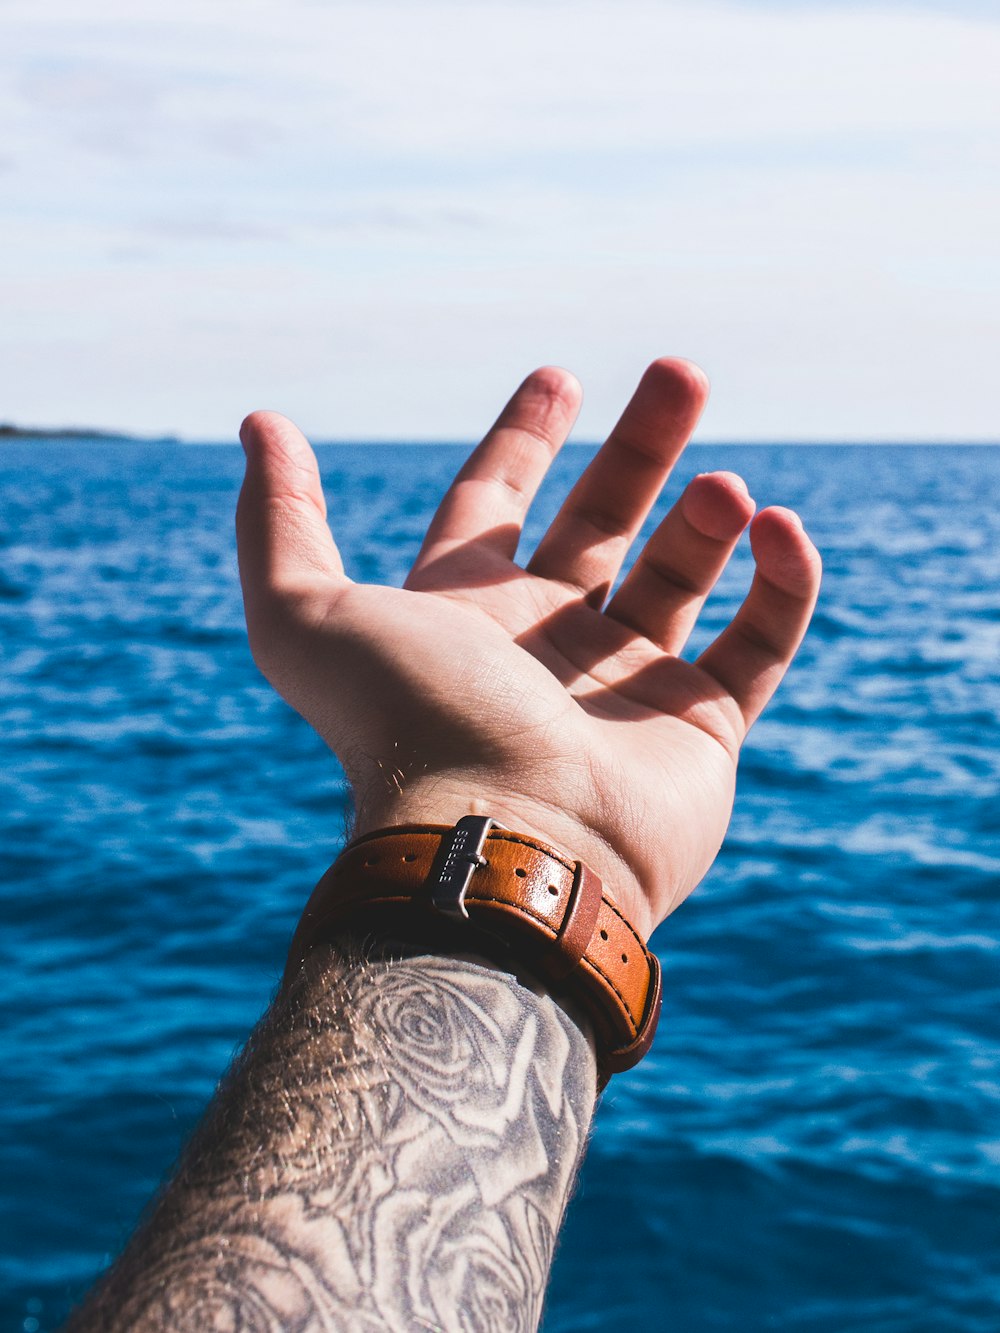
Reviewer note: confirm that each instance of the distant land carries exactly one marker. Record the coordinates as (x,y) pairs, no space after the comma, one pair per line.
(8,431)
(91,435)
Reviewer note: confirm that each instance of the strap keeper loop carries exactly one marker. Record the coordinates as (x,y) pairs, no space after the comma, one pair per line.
(579,923)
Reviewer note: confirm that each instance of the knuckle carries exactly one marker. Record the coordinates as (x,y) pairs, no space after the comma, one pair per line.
(674,579)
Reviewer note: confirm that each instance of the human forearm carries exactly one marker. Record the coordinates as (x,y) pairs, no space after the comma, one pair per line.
(394,1149)
(396,1146)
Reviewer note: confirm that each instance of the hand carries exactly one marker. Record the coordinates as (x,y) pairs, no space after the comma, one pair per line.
(484,687)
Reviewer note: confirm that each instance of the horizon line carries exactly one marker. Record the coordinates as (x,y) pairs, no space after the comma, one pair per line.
(97,435)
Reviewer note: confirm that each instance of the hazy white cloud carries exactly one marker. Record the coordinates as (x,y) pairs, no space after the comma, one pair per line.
(378,215)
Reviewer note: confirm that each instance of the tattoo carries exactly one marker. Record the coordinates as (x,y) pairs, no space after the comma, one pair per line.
(394,1149)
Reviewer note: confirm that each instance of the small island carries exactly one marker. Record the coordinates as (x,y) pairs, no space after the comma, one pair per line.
(8,431)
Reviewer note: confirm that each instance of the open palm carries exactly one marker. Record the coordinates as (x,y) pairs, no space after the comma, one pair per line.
(484,687)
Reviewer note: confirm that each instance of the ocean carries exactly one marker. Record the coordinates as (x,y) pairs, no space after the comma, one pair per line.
(814,1142)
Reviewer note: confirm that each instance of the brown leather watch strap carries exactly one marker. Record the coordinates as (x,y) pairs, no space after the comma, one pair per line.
(478,886)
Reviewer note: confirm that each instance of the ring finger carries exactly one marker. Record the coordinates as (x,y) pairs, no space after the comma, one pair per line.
(680,564)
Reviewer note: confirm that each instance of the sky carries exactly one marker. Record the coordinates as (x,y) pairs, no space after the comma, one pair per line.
(377,217)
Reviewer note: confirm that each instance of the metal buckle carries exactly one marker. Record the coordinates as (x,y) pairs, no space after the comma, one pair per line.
(458,858)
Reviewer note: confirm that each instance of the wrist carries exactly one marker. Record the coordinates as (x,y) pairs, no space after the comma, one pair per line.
(480,887)
(442,802)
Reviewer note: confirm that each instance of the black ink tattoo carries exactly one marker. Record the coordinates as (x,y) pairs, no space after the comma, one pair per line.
(394,1149)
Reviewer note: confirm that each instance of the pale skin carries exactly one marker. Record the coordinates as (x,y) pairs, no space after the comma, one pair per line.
(490,687)
(346,1177)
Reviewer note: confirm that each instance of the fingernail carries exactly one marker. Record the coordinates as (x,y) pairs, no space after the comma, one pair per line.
(790,513)
(735,480)
(732,479)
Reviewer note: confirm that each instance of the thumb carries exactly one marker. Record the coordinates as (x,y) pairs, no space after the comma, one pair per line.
(285,548)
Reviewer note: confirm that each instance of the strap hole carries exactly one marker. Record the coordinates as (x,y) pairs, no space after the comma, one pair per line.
(604,934)
(520,873)
(410,856)
(624,957)
(554,891)
(370,861)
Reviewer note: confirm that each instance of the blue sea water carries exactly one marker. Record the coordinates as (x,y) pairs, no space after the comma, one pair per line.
(814,1142)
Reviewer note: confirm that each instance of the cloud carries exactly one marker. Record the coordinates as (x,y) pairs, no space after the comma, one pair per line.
(274,189)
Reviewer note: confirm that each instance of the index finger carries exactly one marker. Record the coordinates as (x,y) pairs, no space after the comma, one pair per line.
(589,537)
(488,500)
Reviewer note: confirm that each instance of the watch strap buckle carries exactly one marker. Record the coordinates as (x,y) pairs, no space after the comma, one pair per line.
(458,858)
